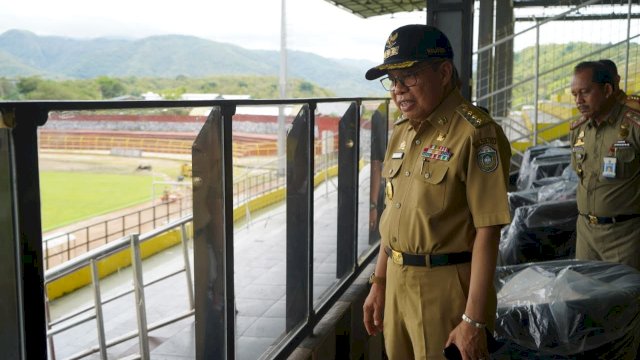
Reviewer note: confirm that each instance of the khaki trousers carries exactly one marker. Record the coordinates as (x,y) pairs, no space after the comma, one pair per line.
(619,242)
(422,306)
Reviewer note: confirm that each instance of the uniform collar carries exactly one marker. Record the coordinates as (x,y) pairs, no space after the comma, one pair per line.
(612,116)
(441,117)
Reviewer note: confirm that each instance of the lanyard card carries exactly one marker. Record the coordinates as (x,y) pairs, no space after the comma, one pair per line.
(609,167)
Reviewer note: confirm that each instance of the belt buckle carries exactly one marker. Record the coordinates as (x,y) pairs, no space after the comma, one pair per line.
(593,220)
(396,256)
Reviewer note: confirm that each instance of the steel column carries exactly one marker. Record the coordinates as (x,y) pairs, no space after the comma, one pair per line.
(24,332)
(299,253)
(213,237)
(455,19)
(348,153)
(485,58)
(503,59)
(12,335)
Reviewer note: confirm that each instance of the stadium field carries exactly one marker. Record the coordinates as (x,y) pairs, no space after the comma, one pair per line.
(76,186)
(68,197)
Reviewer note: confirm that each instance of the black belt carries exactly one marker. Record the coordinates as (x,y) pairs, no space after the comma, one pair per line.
(609,220)
(401,258)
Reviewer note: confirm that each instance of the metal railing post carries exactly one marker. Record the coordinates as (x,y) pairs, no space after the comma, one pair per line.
(187,265)
(140,305)
(97,300)
(47,314)
(626,60)
(536,84)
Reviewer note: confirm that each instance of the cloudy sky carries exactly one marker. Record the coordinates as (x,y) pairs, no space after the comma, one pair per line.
(312,25)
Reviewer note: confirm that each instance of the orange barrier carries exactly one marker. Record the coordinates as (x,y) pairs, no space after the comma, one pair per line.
(145,142)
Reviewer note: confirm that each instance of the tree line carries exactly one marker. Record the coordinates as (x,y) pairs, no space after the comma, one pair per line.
(109,88)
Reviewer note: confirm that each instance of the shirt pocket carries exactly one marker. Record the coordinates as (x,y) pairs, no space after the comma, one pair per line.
(389,173)
(627,163)
(430,187)
(579,156)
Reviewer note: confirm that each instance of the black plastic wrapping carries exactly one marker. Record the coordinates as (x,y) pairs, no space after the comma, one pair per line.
(555,188)
(568,309)
(542,162)
(539,232)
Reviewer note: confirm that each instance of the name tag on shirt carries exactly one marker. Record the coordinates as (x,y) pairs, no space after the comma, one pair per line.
(397,155)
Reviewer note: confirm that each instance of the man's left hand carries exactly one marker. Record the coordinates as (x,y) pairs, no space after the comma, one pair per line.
(470,340)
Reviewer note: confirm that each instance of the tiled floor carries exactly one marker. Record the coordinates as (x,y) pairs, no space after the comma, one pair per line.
(260,289)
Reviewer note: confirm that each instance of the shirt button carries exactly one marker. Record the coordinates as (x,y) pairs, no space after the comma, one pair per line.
(418,142)
(407,173)
(397,205)
(427,175)
(394,240)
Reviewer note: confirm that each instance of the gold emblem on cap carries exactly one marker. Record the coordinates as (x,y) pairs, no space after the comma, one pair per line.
(392,39)
(388,189)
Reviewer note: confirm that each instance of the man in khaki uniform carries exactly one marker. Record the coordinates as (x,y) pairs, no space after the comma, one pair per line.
(606,156)
(633,101)
(446,170)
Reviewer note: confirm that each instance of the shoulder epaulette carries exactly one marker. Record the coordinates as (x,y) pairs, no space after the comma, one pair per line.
(633,101)
(632,116)
(474,116)
(400,120)
(578,122)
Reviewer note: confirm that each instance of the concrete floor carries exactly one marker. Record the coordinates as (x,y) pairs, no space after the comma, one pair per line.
(259,280)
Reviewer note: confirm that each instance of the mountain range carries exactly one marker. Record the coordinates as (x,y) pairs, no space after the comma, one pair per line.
(23,53)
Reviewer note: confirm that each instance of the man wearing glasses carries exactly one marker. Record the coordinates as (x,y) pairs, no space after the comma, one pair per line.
(446,170)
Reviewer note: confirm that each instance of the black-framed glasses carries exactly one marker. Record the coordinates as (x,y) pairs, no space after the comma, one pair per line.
(389,82)
(409,79)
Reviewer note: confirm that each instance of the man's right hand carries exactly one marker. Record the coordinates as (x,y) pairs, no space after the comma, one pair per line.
(374,309)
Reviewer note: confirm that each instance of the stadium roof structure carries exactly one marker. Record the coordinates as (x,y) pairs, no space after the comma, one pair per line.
(369,8)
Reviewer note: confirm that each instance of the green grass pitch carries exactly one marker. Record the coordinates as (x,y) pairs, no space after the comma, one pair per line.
(68,197)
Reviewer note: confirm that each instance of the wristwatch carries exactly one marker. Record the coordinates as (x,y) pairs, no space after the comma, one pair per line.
(373,279)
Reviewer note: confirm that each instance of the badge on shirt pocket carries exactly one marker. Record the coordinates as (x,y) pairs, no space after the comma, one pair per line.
(609,167)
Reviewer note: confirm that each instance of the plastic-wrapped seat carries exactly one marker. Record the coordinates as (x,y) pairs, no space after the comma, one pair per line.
(541,162)
(568,309)
(540,232)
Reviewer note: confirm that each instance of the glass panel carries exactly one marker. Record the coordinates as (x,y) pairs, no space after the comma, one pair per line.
(259,193)
(373,140)
(103,176)
(325,211)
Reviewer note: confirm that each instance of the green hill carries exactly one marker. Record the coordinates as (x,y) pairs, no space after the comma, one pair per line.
(23,53)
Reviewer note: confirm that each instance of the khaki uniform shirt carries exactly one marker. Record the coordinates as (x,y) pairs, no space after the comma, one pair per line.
(444,180)
(606,158)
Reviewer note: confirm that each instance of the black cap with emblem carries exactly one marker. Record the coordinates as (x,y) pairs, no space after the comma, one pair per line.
(410,44)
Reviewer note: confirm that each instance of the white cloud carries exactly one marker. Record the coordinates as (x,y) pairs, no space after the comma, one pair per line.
(312,25)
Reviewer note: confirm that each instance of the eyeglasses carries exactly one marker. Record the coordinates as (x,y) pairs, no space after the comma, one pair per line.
(409,79)
(389,82)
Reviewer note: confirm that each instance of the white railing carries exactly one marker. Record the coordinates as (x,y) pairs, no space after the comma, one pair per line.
(94,312)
